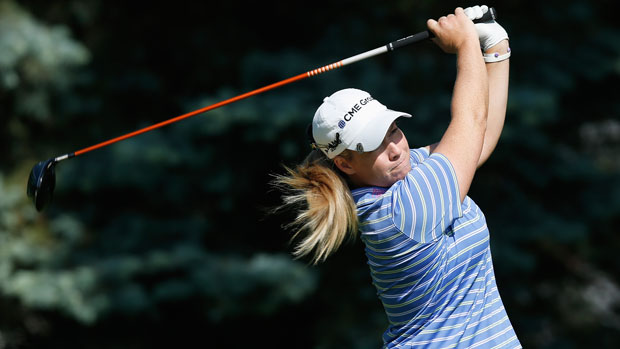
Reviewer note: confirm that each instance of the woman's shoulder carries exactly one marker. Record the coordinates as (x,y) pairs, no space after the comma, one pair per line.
(369,195)
(418,155)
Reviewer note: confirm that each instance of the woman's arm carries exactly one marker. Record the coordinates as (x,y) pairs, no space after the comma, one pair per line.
(497,74)
(493,39)
(462,142)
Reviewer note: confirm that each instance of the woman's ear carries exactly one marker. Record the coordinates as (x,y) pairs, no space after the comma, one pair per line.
(344,165)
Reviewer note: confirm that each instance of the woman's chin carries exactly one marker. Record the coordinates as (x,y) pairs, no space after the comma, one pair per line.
(401,172)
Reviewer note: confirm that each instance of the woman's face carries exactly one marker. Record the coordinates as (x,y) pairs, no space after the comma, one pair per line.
(383,166)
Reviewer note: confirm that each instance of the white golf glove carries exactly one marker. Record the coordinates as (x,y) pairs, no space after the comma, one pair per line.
(490,32)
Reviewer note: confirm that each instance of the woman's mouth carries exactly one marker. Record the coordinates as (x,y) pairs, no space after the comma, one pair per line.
(398,166)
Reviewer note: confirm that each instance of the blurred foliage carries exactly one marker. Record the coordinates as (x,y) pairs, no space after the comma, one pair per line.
(164,239)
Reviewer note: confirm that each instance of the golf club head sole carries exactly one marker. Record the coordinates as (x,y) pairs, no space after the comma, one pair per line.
(41,183)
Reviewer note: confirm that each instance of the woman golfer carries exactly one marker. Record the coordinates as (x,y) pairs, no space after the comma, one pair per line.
(426,241)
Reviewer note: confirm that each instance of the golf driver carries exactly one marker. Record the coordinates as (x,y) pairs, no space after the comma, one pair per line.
(42,178)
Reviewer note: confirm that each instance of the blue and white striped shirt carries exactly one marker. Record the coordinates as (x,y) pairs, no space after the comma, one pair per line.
(430,261)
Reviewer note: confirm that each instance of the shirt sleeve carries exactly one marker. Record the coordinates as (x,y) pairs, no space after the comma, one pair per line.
(426,202)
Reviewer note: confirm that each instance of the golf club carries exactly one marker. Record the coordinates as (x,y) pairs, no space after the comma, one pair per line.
(42,178)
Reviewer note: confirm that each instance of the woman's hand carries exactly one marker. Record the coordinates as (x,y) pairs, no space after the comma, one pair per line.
(489,32)
(454,32)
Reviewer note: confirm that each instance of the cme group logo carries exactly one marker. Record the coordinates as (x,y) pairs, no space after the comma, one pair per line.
(341,124)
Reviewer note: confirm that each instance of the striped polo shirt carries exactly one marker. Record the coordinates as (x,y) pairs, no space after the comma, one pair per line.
(430,261)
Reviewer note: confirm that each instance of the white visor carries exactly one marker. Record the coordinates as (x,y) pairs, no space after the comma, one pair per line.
(351,119)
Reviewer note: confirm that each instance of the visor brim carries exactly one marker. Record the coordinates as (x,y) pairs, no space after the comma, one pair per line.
(372,135)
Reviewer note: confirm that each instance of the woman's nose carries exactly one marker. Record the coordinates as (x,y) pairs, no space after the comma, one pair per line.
(393,151)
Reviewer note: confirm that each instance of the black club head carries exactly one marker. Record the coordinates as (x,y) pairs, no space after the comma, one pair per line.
(41,183)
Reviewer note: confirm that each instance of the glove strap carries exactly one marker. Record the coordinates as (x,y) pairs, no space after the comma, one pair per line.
(495,57)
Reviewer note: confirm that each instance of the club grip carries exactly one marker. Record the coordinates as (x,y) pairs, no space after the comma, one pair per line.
(491,14)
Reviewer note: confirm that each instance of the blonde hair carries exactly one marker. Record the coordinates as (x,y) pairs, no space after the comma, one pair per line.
(326,211)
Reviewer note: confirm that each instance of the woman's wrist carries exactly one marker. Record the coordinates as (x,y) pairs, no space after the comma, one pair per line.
(497,53)
(501,48)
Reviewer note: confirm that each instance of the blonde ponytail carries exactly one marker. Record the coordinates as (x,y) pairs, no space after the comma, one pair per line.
(326,210)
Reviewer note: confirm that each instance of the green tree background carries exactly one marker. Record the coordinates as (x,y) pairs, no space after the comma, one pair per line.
(165,239)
